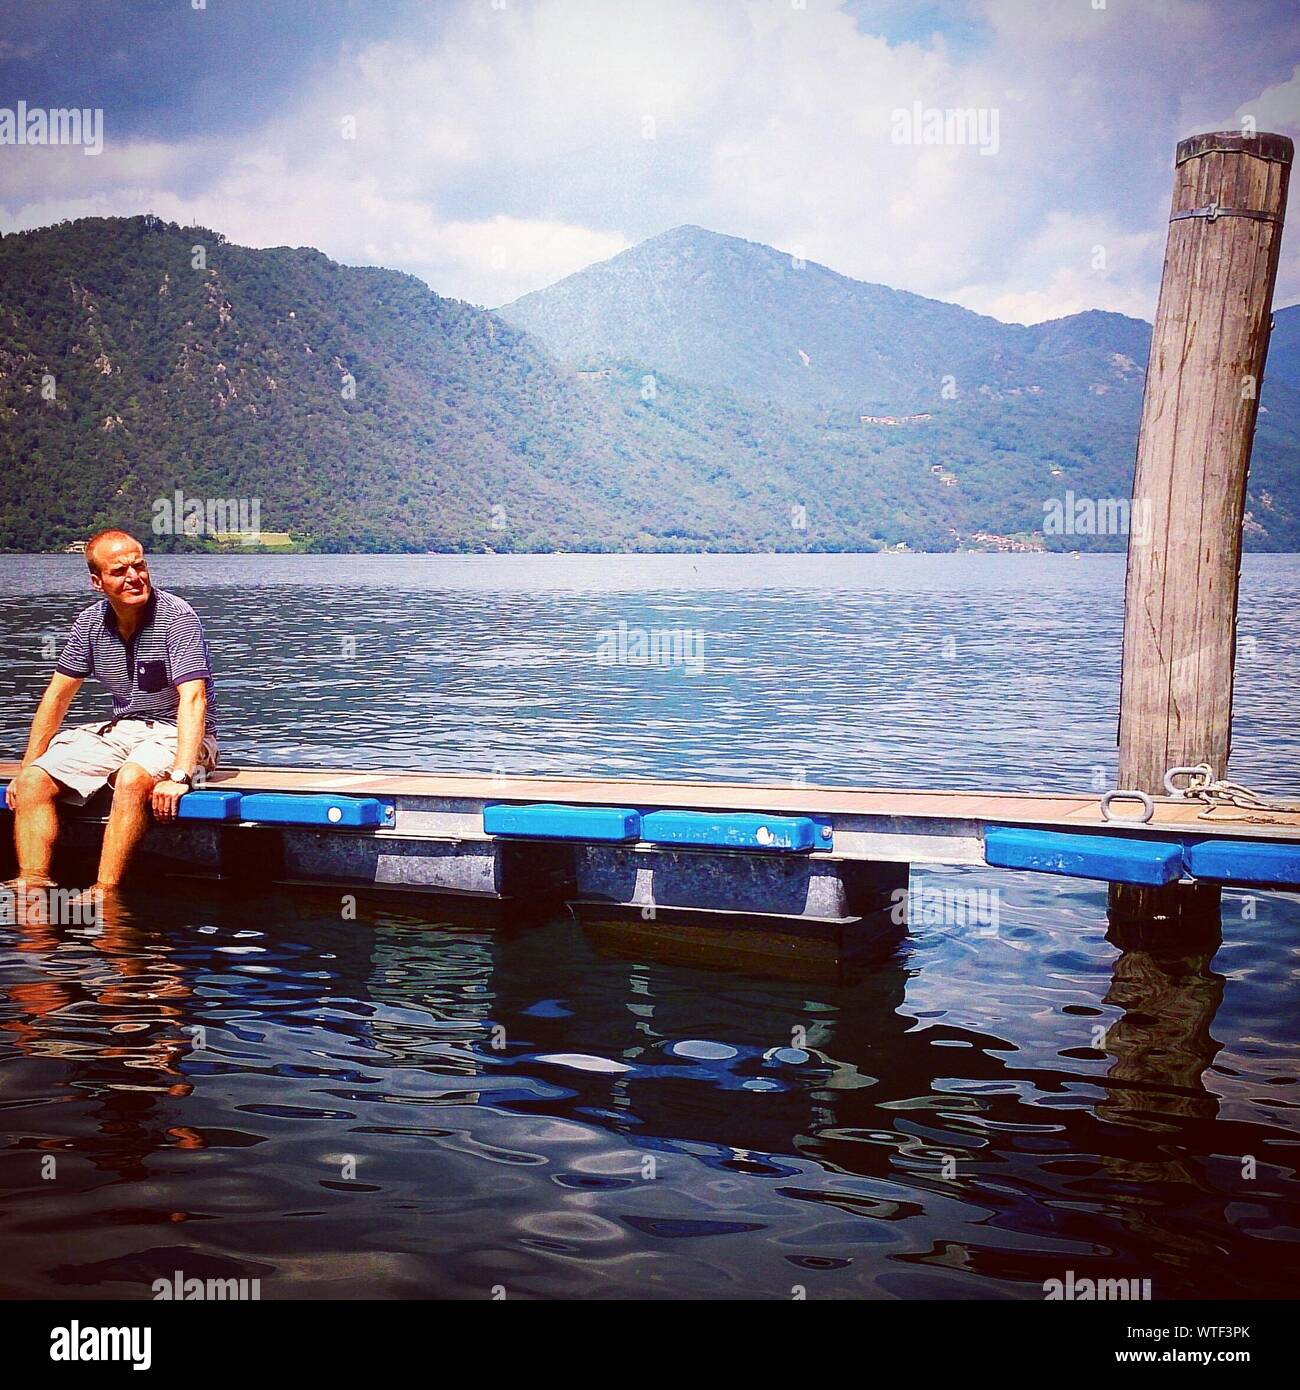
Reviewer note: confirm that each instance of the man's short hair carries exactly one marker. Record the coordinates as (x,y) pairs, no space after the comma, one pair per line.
(112,534)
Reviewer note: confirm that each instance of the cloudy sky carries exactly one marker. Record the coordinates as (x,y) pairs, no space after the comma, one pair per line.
(492,146)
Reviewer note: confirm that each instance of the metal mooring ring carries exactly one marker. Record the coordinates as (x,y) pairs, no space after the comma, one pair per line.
(1148,807)
(1202,770)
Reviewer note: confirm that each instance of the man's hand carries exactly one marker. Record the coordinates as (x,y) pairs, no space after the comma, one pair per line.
(166,798)
(11,797)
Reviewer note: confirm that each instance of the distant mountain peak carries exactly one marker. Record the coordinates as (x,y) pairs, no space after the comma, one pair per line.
(742,316)
(691,232)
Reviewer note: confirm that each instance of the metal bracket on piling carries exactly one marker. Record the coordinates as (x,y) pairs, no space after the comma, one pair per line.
(1212,212)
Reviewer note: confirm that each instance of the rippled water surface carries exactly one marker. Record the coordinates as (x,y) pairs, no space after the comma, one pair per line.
(240,1084)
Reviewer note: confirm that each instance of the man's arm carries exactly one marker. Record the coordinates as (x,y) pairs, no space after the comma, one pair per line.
(75,663)
(191,721)
(49,714)
(45,722)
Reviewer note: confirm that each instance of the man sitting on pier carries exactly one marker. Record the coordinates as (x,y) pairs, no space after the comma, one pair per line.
(147,647)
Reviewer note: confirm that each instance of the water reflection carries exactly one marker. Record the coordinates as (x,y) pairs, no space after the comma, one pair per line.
(514,1104)
(112,997)
(1162,1042)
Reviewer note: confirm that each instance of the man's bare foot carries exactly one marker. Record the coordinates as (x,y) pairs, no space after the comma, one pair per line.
(31,901)
(105,908)
(98,894)
(23,884)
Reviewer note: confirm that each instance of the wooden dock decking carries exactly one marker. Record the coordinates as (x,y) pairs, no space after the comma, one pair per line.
(431,832)
(438,795)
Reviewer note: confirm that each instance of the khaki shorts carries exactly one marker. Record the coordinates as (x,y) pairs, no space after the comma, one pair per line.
(83,758)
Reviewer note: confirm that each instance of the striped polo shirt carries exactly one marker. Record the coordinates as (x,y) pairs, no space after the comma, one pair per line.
(143,672)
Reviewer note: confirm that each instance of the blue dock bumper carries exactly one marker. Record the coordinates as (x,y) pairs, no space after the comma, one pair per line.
(341,812)
(1243,861)
(726,830)
(544,821)
(1113,858)
(203,804)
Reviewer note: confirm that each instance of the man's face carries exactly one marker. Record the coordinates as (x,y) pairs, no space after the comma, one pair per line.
(123,573)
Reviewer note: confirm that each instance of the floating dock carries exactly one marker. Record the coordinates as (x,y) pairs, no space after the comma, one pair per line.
(825,864)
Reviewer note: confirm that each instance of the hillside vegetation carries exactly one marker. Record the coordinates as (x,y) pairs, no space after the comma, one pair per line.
(365,412)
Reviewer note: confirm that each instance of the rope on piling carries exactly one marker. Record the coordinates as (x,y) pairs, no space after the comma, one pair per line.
(1219,794)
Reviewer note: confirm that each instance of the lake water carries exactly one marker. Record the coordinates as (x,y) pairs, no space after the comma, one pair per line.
(376,1108)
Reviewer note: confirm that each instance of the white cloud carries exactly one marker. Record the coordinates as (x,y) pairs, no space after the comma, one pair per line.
(485,261)
(1277,108)
(1075,263)
(532,140)
(50,173)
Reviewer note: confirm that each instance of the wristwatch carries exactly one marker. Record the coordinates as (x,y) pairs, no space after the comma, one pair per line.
(179,775)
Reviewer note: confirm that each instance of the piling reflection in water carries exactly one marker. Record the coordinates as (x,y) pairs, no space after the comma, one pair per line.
(1162,1042)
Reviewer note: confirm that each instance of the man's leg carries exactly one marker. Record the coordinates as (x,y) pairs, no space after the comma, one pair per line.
(36,823)
(77,764)
(127,822)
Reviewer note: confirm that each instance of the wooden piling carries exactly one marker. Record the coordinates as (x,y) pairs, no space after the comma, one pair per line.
(1189,489)
(1198,421)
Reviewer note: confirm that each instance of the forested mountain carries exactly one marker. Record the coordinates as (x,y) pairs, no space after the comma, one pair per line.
(364,411)
(732,313)
(773,327)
